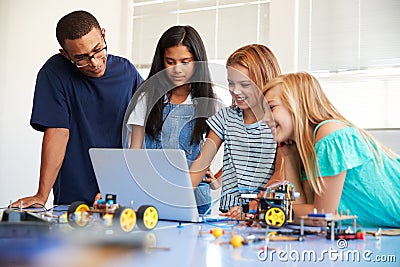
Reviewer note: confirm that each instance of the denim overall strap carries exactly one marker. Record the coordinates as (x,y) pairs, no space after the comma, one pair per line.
(178,123)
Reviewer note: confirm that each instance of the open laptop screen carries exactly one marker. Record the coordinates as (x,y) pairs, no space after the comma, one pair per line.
(159,177)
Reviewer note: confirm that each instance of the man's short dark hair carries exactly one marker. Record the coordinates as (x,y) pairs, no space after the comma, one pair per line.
(75,25)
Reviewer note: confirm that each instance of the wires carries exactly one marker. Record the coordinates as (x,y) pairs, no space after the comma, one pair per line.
(290,189)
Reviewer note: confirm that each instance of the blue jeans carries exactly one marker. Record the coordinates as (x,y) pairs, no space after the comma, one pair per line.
(176,133)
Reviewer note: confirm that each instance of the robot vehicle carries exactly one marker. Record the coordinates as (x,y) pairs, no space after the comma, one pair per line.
(334,225)
(275,207)
(121,219)
(348,233)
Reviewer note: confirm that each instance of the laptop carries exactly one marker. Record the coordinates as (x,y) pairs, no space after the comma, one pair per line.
(158,177)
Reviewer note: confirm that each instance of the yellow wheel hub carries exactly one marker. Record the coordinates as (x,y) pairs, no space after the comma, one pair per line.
(275,216)
(127,220)
(150,218)
(81,213)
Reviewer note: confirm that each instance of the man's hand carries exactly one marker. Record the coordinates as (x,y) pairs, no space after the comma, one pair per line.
(33,201)
(54,145)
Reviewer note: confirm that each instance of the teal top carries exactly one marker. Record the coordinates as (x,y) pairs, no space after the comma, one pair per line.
(371,191)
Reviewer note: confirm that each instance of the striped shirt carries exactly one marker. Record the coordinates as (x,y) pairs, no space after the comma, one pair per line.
(249,154)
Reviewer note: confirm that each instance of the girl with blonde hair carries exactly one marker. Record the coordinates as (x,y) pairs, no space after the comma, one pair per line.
(250,152)
(341,165)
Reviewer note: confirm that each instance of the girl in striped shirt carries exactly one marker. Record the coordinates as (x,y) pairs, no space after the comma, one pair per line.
(250,151)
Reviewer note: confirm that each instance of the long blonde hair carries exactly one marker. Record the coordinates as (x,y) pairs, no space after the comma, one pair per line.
(302,94)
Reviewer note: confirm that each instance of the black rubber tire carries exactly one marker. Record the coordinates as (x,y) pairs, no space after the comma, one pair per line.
(151,220)
(124,220)
(71,213)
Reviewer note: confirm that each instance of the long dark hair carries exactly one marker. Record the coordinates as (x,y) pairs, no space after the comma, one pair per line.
(200,82)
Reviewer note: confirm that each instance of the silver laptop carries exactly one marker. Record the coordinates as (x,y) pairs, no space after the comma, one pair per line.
(158,177)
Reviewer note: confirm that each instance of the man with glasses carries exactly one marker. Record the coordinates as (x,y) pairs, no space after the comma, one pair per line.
(80,100)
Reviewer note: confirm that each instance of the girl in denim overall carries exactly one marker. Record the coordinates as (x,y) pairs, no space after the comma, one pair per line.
(171,107)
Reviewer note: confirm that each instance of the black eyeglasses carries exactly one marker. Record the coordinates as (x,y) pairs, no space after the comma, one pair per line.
(98,55)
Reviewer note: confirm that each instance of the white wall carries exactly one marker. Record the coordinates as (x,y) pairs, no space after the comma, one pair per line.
(27,41)
(283,32)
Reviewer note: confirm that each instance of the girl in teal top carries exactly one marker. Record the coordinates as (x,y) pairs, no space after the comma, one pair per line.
(346,168)
(369,191)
